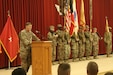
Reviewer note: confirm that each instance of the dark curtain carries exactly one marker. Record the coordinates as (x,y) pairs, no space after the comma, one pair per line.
(42,14)
(101,9)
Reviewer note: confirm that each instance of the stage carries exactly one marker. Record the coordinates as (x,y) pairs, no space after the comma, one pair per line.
(77,68)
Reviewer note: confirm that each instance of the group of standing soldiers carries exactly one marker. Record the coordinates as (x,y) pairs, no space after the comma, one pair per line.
(84,43)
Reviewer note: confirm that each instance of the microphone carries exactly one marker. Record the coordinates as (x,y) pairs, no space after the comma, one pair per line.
(38,32)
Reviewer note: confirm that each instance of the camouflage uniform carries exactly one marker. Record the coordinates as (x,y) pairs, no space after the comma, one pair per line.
(81,43)
(52,37)
(75,46)
(95,43)
(66,45)
(88,42)
(108,42)
(60,43)
(25,48)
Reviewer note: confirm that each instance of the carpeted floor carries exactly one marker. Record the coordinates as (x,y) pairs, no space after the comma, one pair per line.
(77,68)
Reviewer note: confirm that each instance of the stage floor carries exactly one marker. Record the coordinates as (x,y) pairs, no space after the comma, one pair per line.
(77,68)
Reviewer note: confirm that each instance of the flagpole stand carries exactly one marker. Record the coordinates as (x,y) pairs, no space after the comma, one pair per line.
(9,64)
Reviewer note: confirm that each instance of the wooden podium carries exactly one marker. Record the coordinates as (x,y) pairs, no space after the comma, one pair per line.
(41,57)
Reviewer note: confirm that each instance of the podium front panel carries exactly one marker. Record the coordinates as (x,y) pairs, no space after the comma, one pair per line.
(41,58)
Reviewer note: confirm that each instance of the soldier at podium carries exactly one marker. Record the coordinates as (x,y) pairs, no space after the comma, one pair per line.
(26,36)
(52,37)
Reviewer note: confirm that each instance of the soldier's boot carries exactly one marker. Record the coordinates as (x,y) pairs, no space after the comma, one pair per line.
(108,55)
(53,62)
(60,61)
(74,60)
(88,58)
(95,57)
(66,60)
(81,59)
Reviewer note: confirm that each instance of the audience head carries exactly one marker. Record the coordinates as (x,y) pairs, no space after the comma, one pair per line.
(19,71)
(109,73)
(92,68)
(64,69)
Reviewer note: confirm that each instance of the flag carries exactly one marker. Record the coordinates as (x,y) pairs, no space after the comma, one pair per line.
(9,40)
(68,20)
(90,13)
(74,18)
(82,14)
(107,25)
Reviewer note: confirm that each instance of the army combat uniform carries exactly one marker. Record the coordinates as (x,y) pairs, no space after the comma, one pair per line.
(52,37)
(88,42)
(81,44)
(108,42)
(60,43)
(25,48)
(95,42)
(75,46)
(67,48)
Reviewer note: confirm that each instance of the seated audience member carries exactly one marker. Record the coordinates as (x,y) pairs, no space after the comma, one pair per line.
(92,68)
(108,73)
(19,71)
(64,69)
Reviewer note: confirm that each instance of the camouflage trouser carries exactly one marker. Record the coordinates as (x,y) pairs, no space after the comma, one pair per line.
(108,48)
(53,53)
(74,53)
(95,50)
(60,52)
(88,49)
(81,50)
(67,51)
(25,56)
(75,50)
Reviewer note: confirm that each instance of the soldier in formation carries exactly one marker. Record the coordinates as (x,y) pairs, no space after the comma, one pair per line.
(88,42)
(108,40)
(81,42)
(67,40)
(60,43)
(75,46)
(52,37)
(96,38)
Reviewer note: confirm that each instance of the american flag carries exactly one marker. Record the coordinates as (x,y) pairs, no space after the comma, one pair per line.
(68,20)
(72,19)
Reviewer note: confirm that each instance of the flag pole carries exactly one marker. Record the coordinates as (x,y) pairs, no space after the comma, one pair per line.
(9,60)
(90,13)
(9,64)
